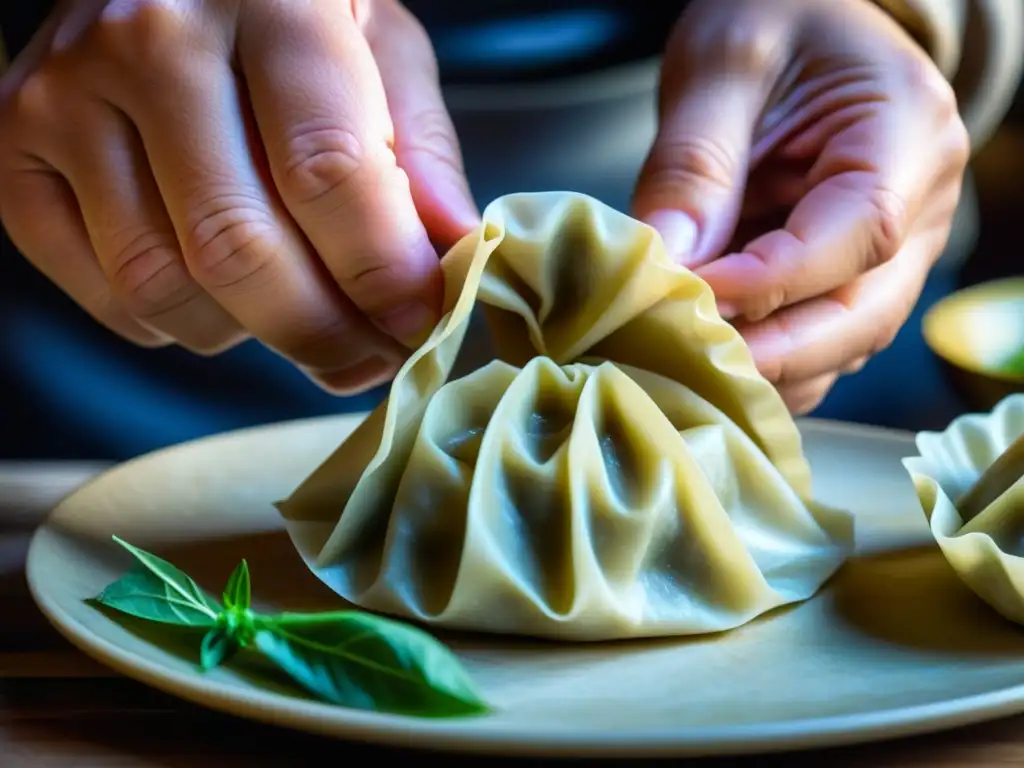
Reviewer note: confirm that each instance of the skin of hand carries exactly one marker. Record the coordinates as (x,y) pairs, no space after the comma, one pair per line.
(808,166)
(204,171)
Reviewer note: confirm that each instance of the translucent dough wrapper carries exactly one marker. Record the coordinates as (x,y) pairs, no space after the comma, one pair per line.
(620,470)
(987,553)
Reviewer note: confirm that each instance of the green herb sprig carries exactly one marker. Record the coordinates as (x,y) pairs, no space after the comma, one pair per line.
(1014,366)
(349,658)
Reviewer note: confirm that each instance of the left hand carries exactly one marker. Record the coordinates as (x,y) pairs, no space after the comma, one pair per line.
(808,166)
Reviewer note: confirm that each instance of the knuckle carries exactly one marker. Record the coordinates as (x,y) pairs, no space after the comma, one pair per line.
(959,152)
(761,307)
(754,48)
(139,34)
(944,96)
(888,230)
(322,161)
(886,335)
(229,240)
(682,163)
(373,279)
(749,48)
(34,102)
(925,79)
(931,90)
(147,276)
(392,19)
(775,287)
(414,34)
(108,311)
(434,136)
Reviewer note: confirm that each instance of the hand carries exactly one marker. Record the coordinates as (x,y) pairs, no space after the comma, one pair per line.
(815,145)
(199,171)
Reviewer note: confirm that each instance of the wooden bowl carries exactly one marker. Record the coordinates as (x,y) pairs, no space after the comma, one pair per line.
(976,332)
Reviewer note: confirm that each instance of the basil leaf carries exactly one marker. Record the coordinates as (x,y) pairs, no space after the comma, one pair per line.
(367,662)
(1015,365)
(219,645)
(238,591)
(144,594)
(349,658)
(172,585)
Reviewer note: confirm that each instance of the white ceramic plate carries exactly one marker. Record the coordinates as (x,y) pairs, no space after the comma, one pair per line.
(893,646)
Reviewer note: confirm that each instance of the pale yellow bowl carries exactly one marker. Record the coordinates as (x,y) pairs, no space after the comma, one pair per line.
(976,331)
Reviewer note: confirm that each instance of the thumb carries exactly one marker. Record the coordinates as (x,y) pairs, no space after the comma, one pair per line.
(691,186)
(426,146)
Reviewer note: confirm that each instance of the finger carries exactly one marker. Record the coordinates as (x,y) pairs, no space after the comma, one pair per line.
(713,90)
(829,333)
(850,222)
(866,190)
(132,234)
(426,145)
(748,227)
(44,222)
(26,63)
(855,366)
(802,397)
(322,112)
(237,242)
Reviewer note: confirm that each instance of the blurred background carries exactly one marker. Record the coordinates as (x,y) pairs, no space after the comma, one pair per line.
(541,100)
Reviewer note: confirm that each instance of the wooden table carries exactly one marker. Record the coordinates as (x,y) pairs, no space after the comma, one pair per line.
(58,708)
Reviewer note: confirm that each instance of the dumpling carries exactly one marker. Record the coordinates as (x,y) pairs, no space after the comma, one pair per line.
(987,552)
(619,470)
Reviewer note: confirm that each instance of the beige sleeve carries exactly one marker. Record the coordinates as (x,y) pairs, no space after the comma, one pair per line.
(978,45)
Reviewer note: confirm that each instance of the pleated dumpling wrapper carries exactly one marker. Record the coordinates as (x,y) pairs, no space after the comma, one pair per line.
(620,470)
(987,552)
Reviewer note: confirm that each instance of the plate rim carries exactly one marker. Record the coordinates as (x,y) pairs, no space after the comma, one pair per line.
(307,715)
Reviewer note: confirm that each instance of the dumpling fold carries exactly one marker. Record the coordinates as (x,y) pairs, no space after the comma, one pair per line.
(986,552)
(619,469)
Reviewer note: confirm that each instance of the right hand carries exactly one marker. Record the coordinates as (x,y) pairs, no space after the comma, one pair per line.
(202,171)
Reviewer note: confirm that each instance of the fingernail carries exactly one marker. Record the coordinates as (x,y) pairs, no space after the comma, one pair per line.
(356,378)
(463,207)
(411,323)
(679,232)
(727,311)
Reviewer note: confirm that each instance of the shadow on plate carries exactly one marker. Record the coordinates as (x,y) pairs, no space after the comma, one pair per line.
(911,598)
(915,599)
(282,582)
